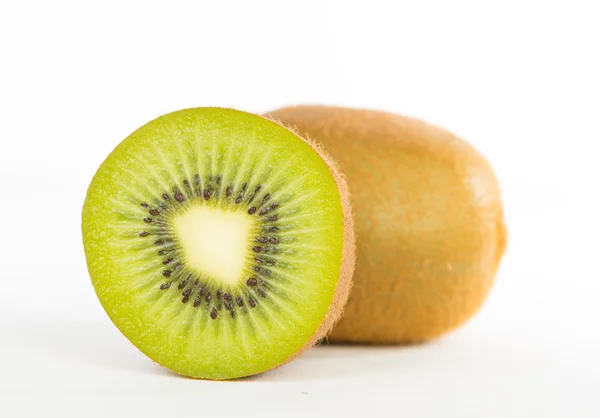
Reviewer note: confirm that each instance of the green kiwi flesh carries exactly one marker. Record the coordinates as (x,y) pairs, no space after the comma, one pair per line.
(215,240)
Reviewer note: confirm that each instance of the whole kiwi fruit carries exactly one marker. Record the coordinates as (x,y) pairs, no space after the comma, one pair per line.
(429,222)
(219,243)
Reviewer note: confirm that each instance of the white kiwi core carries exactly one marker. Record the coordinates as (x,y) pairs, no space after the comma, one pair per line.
(215,242)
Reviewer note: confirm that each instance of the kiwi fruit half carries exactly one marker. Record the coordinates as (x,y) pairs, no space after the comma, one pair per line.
(429,222)
(219,243)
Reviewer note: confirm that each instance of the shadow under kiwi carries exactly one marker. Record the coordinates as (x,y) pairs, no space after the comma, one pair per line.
(350,361)
(100,344)
(93,343)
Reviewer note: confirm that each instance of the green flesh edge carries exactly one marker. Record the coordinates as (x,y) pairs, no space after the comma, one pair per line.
(127,272)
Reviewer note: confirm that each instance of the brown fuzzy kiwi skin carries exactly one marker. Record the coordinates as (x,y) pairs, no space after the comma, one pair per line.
(429,222)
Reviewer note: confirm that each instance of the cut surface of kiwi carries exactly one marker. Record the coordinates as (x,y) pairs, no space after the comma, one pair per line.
(218,242)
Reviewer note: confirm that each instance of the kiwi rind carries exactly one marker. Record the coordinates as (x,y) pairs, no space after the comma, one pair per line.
(429,221)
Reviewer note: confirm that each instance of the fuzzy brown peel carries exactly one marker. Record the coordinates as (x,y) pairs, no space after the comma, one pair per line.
(429,222)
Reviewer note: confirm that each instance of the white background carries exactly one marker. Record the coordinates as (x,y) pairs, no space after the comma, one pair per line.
(519,79)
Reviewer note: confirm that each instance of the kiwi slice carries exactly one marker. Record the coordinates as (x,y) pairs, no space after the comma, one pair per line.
(219,242)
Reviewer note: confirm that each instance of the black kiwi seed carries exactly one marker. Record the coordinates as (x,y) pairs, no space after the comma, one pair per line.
(228,305)
(262,240)
(263,211)
(244,185)
(185,299)
(251,302)
(271,262)
(214,313)
(257,248)
(228,191)
(159,242)
(197,302)
(218,179)
(154,212)
(201,291)
(165,286)
(227,297)
(274,205)
(167,261)
(144,234)
(257,189)
(251,281)
(179,197)
(274,229)
(239,198)
(259,260)
(252,210)
(261,293)
(272,218)
(219,294)
(148,220)
(166,273)
(206,194)
(266,272)
(162,252)
(239,301)
(165,196)
(144,205)
(273,240)
(267,197)
(187,292)
(182,284)
(208,297)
